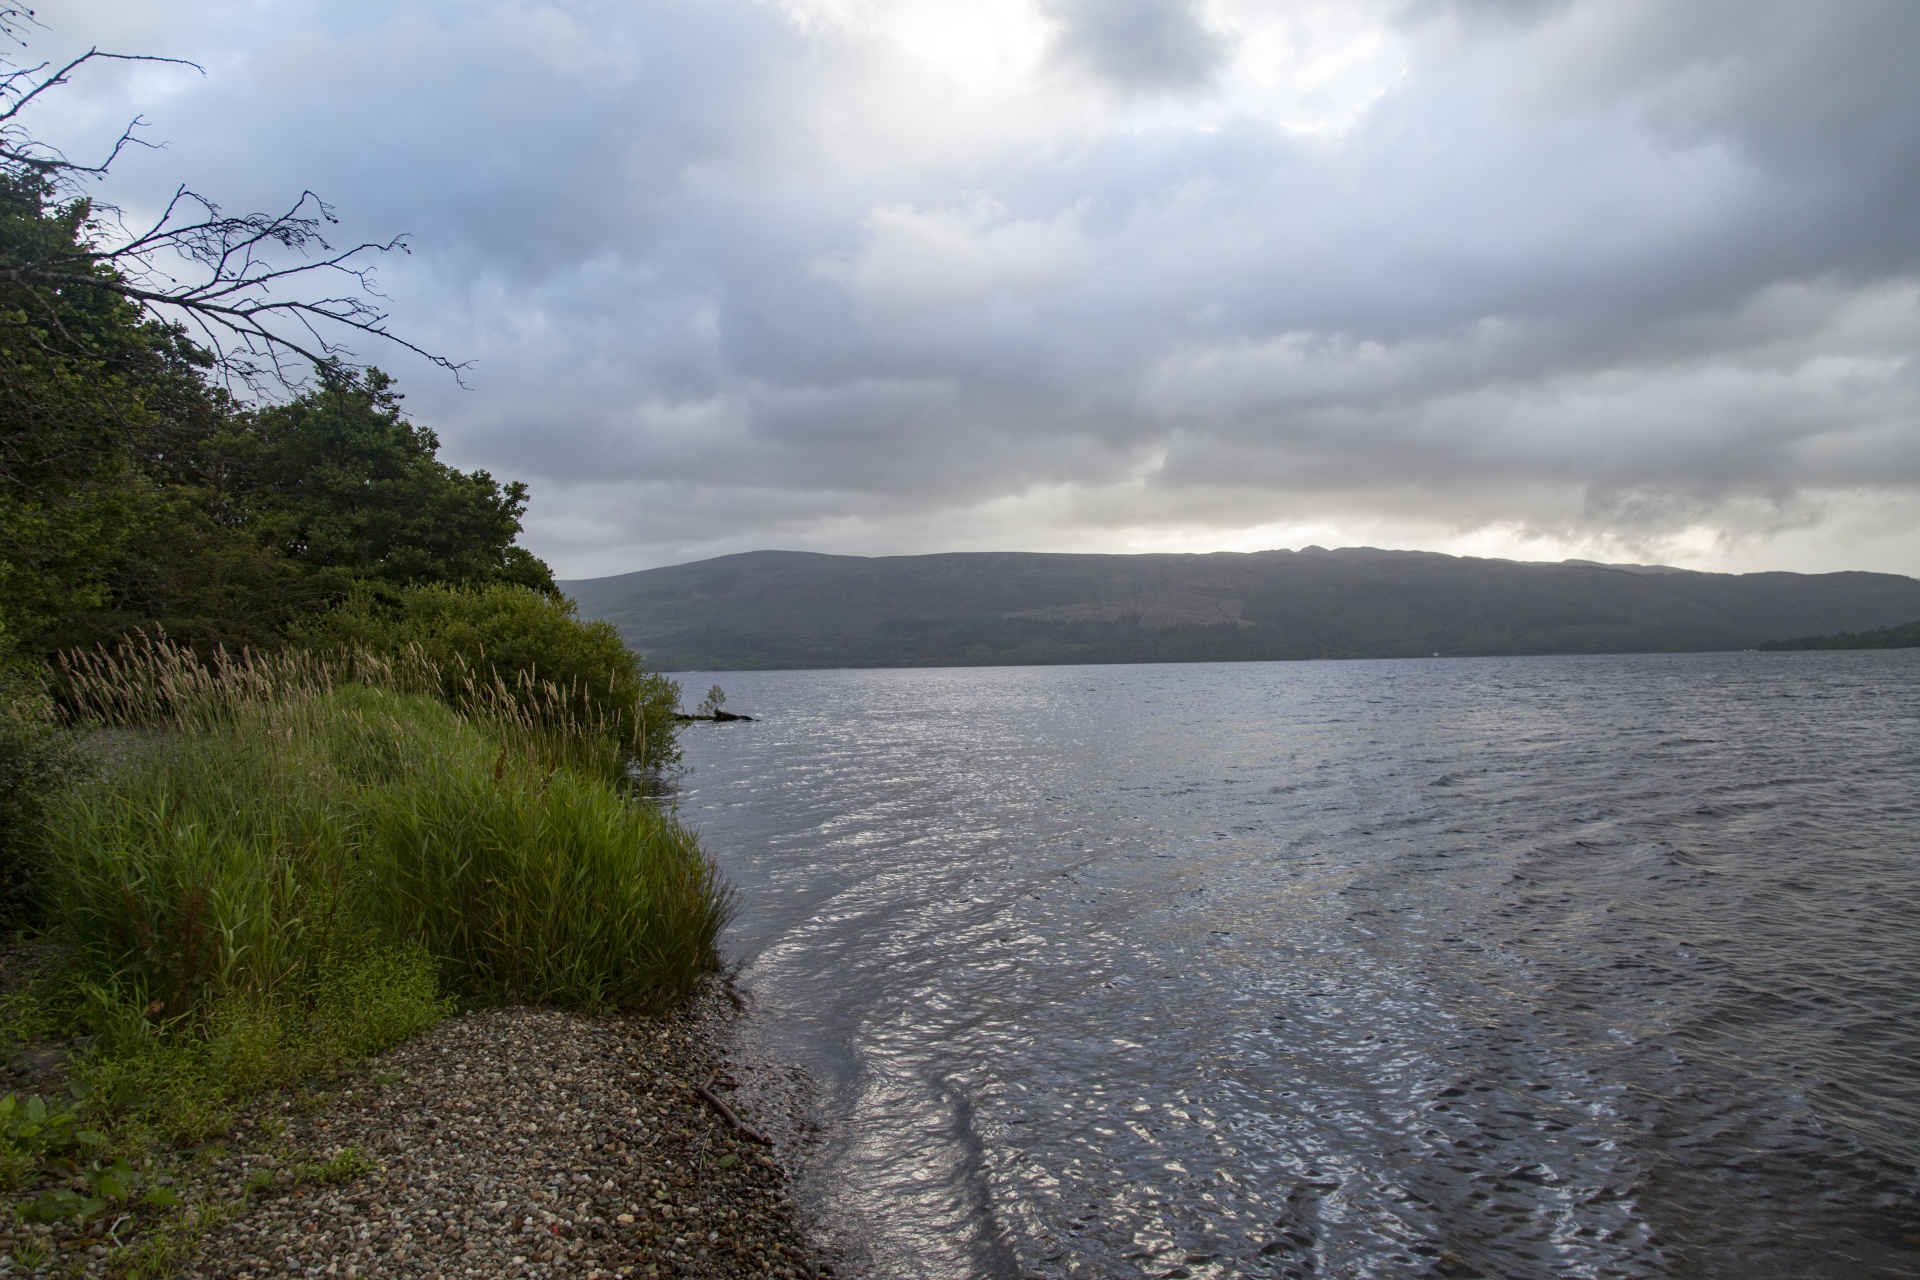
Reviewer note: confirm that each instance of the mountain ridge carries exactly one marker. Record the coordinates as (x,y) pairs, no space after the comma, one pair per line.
(774,609)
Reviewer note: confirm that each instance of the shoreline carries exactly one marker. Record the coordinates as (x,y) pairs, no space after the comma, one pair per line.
(500,1142)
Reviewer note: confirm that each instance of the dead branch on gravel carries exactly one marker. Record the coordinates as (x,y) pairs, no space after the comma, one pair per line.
(726,1113)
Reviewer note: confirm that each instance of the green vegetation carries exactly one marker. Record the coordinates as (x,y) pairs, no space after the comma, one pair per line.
(1905,636)
(511,638)
(781,609)
(298,749)
(236,524)
(284,863)
(291,817)
(99,395)
(136,493)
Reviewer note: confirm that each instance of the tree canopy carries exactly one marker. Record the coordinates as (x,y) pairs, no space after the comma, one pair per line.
(339,479)
(137,491)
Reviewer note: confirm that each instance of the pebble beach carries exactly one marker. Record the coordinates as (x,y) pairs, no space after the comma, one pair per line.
(504,1142)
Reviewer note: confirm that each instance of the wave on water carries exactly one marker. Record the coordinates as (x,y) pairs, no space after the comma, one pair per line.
(1520,967)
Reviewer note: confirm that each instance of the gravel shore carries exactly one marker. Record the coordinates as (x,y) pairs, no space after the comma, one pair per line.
(519,1142)
(507,1142)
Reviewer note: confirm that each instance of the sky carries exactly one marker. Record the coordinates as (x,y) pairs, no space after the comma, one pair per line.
(1624,280)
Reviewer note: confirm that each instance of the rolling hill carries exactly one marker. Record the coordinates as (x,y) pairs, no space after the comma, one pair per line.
(786,609)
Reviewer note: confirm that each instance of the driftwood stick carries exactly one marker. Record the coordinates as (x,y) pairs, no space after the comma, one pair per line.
(726,1113)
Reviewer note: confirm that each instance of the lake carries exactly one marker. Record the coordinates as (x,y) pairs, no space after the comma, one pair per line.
(1517,967)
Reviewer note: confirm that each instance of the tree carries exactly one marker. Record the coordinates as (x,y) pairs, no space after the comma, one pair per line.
(69,421)
(339,479)
(110,515)
(135,489)
(217,275)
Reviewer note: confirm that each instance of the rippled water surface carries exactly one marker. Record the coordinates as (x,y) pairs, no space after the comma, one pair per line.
(1505,967)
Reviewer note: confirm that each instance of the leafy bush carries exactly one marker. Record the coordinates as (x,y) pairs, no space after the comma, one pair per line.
(507,638)
(31,1130)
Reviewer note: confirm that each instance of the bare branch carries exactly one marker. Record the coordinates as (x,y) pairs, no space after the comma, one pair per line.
(240,282)
(21,87)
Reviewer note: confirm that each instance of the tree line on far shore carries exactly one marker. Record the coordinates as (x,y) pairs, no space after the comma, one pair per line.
(1904,636)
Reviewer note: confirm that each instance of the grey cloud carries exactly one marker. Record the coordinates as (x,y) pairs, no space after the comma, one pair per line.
(1603,268)
(1483,13)
(1139,45)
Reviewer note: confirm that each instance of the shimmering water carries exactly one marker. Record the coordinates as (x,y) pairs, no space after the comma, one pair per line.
(1516,967)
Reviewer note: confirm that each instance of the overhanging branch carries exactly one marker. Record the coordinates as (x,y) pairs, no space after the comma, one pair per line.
(235,281)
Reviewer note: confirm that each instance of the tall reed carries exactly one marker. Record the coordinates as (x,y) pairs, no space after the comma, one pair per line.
(153,682)
(294,813)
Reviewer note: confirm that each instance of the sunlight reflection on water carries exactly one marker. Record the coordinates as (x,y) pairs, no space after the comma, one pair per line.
(1515,967)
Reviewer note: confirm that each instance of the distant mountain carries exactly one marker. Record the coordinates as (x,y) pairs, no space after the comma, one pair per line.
(774,609)
(1901,637)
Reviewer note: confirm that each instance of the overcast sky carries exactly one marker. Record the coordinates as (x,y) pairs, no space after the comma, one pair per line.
(1620,279)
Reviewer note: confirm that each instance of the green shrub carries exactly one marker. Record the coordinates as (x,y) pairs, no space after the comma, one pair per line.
(486,640)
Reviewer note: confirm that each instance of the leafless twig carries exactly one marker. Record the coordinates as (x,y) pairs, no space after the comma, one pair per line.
(232,281)
(726,1113)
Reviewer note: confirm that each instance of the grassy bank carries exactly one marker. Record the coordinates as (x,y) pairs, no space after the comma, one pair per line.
(282,865)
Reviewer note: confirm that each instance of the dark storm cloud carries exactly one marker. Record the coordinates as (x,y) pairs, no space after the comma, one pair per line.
(736,275)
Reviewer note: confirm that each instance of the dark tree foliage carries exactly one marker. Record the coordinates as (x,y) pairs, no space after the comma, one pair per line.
(73,421)
(136,493)
(1904,636)
(339,479)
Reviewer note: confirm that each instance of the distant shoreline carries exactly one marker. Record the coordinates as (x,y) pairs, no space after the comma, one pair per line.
(1906,636)
(705,672)
(780,610)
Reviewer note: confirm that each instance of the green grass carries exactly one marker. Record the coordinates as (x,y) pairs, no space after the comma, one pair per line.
(248,855)
(158,1082)
(283,866)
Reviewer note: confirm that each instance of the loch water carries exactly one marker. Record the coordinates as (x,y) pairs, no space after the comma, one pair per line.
(1514,967)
